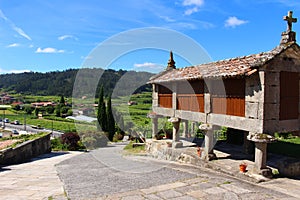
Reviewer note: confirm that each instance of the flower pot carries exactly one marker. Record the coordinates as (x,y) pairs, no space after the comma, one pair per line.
(243,168)
(199,151)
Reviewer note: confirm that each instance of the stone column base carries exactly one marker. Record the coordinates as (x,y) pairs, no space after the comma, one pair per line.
(267,172)
(211,156)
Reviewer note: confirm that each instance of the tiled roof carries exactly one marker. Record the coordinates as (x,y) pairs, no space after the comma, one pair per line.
(240,66)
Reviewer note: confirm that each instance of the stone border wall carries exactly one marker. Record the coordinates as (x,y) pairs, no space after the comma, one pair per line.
(25,151)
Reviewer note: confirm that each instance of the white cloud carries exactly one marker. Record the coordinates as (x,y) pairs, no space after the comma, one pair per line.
(193,2)
(20,32)
(18,71)
(191,11)
(48,50)
(14,27)
(167,19)
(15,71)
(86,57)
(193,5)
(234,21)
(3,16)
(63,37)
(148,66)
(13,45)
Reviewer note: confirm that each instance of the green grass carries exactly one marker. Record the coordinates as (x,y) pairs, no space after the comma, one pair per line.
(134,150)
(63,125)
(33,98)
(23,138)
(136,113)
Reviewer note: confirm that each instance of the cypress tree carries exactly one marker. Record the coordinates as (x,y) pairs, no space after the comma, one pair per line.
(62,100)
(110,120)
(101,114)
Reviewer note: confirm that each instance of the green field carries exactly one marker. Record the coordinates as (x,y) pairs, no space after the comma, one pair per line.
(63,125)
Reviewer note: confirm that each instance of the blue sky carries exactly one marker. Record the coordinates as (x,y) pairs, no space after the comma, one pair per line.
(50,35)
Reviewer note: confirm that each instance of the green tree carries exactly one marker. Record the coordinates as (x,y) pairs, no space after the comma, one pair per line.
(58,111)
(101,114)
(62,100)
(36,111)
(50,109)
(64,109)
(16,107)
(110,120)
(28,110)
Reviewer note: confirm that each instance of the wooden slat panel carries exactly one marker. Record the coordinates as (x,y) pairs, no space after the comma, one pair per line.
(219,105)
(289,95)
(190,102)
(165,100)
(230,106)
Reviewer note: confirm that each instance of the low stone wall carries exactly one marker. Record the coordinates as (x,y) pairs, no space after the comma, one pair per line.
(289,167)
(25,151)
(159,149)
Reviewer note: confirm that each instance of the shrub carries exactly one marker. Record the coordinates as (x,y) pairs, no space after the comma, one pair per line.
(118,137)
(93,139)
(56,145)
(71,139)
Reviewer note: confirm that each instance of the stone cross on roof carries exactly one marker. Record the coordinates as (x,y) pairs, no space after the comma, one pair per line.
(290,20)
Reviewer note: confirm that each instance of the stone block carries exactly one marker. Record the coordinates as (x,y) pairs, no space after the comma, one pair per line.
(241,123)
(190,116)
(272,94)
(270,126)
(251,110)
(272,78)
(271,111)
(154,102)
(168,112)
(261,77)
(207,103)
(177,144)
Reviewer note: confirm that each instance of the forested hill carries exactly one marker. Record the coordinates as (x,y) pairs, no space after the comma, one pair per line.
(61,82)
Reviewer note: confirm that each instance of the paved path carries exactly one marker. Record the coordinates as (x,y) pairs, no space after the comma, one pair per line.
(33,180)
(106,174)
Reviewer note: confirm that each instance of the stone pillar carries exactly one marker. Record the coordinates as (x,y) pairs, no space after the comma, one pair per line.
(154,126)
(260,155)
(261,141)
(193,129)
(176,125)
(185,128)
(208,141)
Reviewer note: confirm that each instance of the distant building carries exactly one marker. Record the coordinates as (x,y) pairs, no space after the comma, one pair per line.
(6,99)
(42,104)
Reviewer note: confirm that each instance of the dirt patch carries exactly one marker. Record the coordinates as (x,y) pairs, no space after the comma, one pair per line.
(6,143)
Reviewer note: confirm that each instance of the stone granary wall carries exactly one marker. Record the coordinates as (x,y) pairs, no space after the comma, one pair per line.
(265,103)
(25,151)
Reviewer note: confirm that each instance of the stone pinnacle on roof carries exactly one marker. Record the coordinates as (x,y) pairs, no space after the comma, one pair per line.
(171,62)
(289,35)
